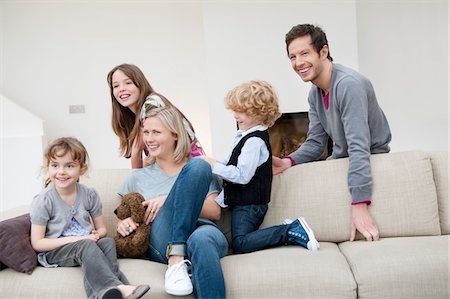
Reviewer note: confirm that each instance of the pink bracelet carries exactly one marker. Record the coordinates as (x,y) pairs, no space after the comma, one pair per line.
(290,159)
(367,201)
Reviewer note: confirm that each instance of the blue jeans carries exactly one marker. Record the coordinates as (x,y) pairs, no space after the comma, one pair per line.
(177,224)
(247,237)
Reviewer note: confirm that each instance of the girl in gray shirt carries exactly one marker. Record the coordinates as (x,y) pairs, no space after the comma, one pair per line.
(67,225)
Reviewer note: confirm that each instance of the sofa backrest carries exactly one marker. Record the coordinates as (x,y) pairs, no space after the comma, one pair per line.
(107,182)
(439,161)
(404,200)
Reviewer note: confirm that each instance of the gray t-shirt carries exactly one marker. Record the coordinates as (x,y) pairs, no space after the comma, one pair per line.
(47,208)
(152,182)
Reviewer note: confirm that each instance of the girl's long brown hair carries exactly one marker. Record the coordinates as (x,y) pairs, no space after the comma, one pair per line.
(126,124)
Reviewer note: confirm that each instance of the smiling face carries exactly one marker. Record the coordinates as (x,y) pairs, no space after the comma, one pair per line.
(63,171)
(305,61)
(245,121)
(158,139)
(125,91)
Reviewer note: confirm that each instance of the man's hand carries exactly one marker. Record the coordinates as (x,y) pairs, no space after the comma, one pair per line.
(364,223)
(280,165)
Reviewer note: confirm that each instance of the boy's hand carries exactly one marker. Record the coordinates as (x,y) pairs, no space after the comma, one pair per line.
(211,161)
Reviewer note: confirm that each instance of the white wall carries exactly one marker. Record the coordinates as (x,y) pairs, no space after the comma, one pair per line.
(403,49)
(20,154)
(246,42)
(56,54)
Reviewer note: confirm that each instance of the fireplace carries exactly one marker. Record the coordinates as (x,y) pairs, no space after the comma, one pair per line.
(289,132)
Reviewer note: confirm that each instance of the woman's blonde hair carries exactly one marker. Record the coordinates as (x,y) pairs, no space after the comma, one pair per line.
(172,119)
(256,98)
(60,147)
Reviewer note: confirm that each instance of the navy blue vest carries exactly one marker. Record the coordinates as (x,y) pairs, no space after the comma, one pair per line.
(257,191)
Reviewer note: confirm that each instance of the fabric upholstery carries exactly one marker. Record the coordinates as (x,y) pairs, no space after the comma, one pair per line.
(289,272)
(107,182)
(414,267)
(439,161)
(403,203)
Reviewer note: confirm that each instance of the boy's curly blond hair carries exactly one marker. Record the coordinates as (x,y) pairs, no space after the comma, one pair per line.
(257,98)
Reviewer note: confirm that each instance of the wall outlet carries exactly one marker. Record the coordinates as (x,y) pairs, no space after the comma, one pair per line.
(76,109)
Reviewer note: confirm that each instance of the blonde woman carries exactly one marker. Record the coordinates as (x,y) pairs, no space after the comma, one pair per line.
(178,190)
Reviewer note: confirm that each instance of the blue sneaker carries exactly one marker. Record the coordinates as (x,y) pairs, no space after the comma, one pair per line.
(301,234)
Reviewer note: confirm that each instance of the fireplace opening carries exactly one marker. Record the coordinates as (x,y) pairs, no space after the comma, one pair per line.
(289,132)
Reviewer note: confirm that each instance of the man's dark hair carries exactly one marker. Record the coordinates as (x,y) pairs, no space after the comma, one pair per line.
(318,37)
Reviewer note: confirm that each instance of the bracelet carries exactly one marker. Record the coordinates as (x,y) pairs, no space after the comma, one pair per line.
(367,201)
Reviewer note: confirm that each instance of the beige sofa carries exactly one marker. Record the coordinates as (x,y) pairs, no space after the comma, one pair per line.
(410,205)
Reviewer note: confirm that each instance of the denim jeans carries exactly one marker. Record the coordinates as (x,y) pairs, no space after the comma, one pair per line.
(177,224)
(245,232)
(98,261)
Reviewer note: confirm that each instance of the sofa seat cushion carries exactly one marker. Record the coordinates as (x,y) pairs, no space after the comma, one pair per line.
(289,272)
(285,272)
(67,282)
(43,283)
(404,200)
(146,272)
(411,267)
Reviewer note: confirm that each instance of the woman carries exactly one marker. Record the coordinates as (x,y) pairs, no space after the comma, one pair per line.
(131,97)
(178,190)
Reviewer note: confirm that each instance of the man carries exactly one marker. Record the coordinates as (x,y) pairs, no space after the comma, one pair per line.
(343,106)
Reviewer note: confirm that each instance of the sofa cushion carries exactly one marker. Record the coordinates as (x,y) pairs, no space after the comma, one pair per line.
(107,182)
(15,246)
(439,161)
(404,201)
(289,272)
(412,267)
(67,282)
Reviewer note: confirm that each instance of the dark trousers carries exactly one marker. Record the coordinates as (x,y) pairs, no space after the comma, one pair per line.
(245,232)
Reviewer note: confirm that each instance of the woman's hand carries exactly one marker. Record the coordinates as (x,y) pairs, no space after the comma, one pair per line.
(153,207)
(126,226)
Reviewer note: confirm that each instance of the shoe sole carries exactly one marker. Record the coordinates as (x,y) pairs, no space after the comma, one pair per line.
(140,291)
(312,244)
(111,293)
(178,293)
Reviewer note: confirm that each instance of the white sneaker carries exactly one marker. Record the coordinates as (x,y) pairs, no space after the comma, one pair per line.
(177,280)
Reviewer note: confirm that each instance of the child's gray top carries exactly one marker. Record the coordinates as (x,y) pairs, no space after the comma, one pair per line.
(47,208)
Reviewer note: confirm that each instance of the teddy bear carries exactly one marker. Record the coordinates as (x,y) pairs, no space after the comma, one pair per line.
(135,244)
